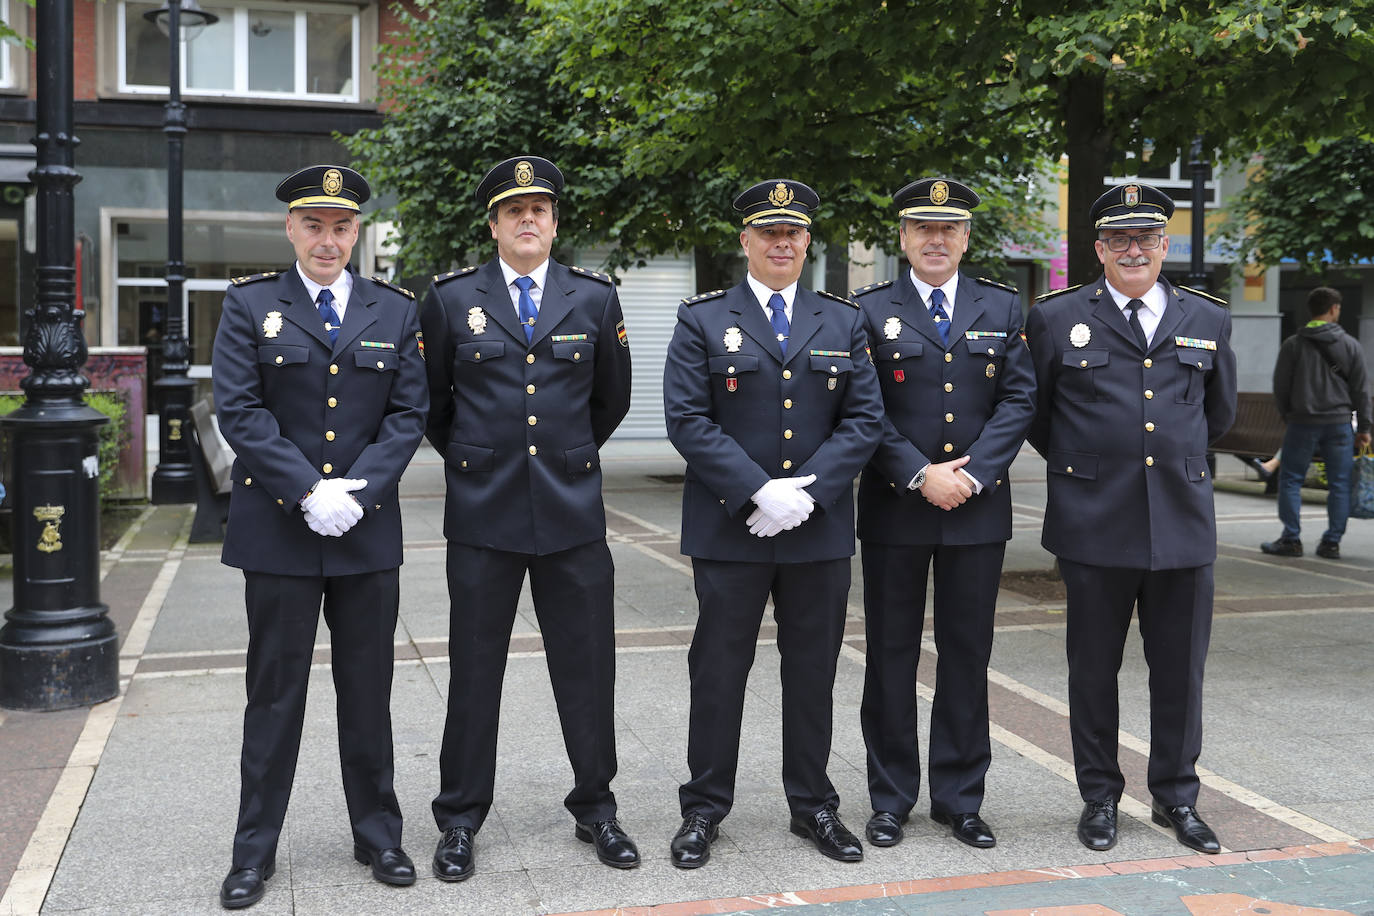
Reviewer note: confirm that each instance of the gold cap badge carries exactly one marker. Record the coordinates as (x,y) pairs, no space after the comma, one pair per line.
(939,193)
(781,195)
(333,182)
(524,173)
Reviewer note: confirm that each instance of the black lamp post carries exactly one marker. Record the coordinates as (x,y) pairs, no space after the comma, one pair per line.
(58,648)
(1197,272)
(173,480)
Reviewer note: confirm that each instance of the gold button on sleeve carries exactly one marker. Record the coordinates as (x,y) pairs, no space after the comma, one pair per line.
(787,464)
(529,357)
(949,386)
(328,468)
(329,435)
(333,402)
(533,450)
(333,368)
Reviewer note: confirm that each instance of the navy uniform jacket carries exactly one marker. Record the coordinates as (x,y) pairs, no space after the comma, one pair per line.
(1125,432)
(741,414)
(974,398)
(518,423)
(295,409)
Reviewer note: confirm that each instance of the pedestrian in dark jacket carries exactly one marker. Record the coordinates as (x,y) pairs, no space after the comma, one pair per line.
(1319,380)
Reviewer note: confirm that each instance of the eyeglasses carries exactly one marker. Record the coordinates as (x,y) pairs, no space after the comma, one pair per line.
(1147,242)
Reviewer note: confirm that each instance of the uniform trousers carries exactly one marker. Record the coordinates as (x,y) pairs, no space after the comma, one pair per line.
(809,608)
(573,592)
(283,614)
(1175,613)
(966,581)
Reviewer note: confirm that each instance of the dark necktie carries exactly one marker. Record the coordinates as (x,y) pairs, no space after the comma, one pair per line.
(1134,307)
(325,303)
(779,320)
(937,312)
(527,310)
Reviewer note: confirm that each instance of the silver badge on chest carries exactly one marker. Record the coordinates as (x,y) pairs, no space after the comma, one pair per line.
(271,325)
(477,321)
(892,328)
(1079,335)
(733,340)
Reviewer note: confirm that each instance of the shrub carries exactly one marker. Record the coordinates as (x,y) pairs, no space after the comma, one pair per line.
(113,436)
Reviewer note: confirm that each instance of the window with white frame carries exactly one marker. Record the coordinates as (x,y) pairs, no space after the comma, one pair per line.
(299,51)
(7,50)
(1169,171)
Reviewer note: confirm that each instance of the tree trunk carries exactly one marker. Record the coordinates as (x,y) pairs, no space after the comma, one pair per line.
(1089,147)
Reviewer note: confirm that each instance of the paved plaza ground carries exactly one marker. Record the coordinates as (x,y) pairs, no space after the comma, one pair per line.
(129,807)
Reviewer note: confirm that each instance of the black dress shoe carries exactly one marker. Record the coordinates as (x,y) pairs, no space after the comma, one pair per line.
(1097,825)
(244,886)
(885,828)
(691,845)
(389,866)
(453,857)
(832,838)
(613,846)
(968,828)
(1192,831)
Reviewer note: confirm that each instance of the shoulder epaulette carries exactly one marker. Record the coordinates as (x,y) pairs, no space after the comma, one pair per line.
(989,282)
(1208,296)
(253,278)
(829,295)
(881,284)
(381,281)
(702,297)
(440,278)
(595,275)
(1057,292)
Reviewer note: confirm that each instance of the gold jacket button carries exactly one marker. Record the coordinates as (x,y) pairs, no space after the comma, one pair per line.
(328,468)
(476,356)
(834,369)
(1149,461)
(729,370)
(589,465)
(333,368)
(576,357)
(991,351)
(949,357)
(1068,470)
(464,463)
(329,435)
(533,450)
(1149,427)
(896,356)
(1149,363)
(787,373)
(529,389)
(787,463)
(787,434)
(280,360)
(1083,363)
(380,364)
(529,358)
(333,402)
(949,386)
(1149,394)
(247,481)
(949,418)
(787,403)
(280,503)
(998,484)
(949,446)
(531,420)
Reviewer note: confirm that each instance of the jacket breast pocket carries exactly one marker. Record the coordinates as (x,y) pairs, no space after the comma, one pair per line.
(377,360)
(834,369)
(990,347)
(479,351)
(283,355)
(1077,381)
(726,370)
(574,351)
(1194,364)
(889,353)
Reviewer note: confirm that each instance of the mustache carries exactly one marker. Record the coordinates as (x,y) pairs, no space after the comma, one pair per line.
(1133,262)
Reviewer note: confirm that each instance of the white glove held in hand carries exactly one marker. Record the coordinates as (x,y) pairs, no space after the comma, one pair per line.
(762,526)
(331,504)
(782,500)
(320,527)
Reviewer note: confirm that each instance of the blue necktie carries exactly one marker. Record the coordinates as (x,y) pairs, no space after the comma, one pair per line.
(527,310)
(779,320)
(331,317)
(937,312)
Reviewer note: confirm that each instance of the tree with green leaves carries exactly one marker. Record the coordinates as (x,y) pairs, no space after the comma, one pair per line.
(1310,204)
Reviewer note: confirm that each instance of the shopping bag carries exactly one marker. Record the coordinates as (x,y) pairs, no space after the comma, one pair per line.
(1362,485)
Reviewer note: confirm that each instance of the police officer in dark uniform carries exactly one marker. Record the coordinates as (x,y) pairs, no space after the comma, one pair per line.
(959,392)
(320,390)
(529,374)
(1135,377)
(771,398)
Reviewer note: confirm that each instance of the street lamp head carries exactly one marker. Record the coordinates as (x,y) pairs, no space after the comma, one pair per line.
(191,18)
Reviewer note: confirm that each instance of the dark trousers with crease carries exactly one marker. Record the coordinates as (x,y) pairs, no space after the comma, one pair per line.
(966,581)
(1175,611)
(283,614)
(809,607)
(574,593)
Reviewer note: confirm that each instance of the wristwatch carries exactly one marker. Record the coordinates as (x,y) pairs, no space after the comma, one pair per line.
(919,480)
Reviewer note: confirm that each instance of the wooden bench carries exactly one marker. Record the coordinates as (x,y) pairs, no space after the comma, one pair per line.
(1258,430)
(211,461)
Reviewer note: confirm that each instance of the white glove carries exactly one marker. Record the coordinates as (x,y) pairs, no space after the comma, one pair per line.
(763,526)
(784,501)
(320,527)
(331,504)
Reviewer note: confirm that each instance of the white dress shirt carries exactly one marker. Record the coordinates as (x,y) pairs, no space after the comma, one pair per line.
(924,290)
(538,275)
(341,288)
(1155,301)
